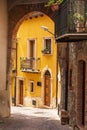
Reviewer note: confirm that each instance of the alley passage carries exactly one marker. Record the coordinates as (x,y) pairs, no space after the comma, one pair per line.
(27,118)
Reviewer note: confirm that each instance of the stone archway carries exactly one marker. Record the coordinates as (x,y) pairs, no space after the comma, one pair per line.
(16,14)
(17,11)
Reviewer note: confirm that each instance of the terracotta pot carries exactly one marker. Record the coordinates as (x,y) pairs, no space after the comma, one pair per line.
(80,27)
(55,7)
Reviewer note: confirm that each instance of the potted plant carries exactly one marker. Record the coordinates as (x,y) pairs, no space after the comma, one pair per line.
(54,4)
(79,22)
(46,51)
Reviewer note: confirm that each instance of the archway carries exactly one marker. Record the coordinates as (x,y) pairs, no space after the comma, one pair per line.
(81,93)
(32,41)
(17,12)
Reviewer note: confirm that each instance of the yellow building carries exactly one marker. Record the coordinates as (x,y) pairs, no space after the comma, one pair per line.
(36,80)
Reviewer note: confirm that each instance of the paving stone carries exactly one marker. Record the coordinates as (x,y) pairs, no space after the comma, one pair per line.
(27,118)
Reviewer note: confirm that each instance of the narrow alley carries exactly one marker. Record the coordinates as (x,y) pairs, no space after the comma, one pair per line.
(27,118)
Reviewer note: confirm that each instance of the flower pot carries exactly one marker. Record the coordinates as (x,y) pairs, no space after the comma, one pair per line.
(80,27)
(55,7)
(86,26)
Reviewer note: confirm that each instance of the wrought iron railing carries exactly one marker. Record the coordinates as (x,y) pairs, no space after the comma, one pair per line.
(71,17)
(30,64)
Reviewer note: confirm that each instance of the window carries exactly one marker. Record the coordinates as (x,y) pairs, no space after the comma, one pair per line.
(31,86)
(31,48)
(31,53)
(47,46)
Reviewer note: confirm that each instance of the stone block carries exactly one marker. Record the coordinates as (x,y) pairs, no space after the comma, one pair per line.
(64,117)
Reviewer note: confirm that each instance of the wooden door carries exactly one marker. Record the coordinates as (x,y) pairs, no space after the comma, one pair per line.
(47,91)
(21,92)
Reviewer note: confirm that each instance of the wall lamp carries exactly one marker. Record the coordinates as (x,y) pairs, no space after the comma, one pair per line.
(46,29)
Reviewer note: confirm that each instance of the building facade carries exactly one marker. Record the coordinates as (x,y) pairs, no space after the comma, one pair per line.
(72,61)
(72,56)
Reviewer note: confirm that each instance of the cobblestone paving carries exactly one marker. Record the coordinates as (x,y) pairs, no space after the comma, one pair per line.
(27,118)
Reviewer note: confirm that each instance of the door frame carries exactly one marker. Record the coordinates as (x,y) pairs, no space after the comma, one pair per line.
(42,90)
(17,90)
(21,92)
(47,77)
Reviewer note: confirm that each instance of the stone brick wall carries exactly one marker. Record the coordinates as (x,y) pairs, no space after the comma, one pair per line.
(77,59)
(77,81)
(63,65)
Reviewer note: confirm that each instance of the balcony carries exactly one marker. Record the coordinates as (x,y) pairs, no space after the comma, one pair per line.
(30,65)
(71,21)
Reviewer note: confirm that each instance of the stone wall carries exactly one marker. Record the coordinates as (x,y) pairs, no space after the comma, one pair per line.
(62,56)
(4,91)
(77,59)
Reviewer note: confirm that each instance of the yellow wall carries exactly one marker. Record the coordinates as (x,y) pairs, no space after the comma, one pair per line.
(31,28)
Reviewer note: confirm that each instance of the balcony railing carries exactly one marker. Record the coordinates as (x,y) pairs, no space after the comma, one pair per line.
(71,21)
(30,64)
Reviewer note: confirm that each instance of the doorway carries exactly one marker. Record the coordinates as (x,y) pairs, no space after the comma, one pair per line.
(21,92)
(47,88)
(81,93)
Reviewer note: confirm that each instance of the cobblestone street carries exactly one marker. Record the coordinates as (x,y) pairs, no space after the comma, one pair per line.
(27,118)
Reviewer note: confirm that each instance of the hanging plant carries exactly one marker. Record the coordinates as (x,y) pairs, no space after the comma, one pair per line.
(54,4)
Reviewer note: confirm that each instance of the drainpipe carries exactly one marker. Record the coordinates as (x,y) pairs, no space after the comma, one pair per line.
(15,73)
(57,76)
(16,69)
(15,89)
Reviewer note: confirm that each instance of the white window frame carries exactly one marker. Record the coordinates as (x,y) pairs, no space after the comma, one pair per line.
(43,43)
(31,82)
(28,47)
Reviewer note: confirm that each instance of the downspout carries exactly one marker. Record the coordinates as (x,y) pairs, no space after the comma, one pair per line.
(16,71)
(57,76)
(16,56)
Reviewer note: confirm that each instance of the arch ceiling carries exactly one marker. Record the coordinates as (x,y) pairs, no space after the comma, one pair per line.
(12,3)
(19,8)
